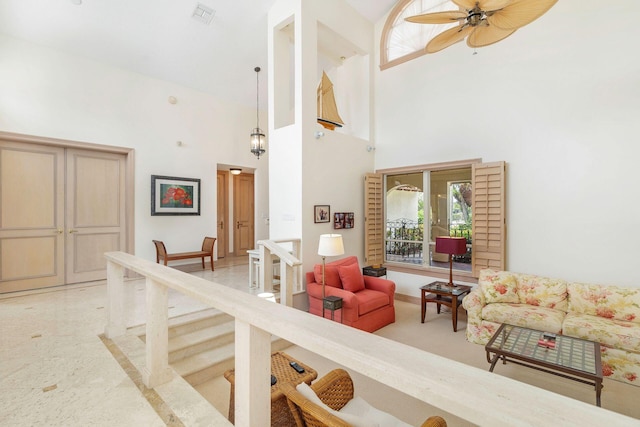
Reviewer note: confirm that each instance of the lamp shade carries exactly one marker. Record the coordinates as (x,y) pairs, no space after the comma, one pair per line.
(451,245)
(330,245)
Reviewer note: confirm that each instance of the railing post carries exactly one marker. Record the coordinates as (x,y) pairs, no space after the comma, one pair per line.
(252,370)
(157,371)
(286,284)
(266,269)
(115,301)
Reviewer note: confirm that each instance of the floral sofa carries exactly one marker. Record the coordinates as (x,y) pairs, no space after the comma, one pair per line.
(367,301)
(609,315)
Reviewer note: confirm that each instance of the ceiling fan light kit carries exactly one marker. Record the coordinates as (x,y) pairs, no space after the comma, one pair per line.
(482,22)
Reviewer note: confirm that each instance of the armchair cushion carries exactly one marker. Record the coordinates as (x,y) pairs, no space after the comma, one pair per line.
(369,301)
(351,277)
(353,419)
(361,408)
(331,271)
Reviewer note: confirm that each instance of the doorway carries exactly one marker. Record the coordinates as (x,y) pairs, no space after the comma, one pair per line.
(243,213)
(61,208)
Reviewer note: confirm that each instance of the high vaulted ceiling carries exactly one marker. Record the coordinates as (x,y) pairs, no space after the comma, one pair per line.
(159,38)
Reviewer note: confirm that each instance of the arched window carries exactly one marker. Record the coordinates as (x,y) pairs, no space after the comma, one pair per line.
(401,40)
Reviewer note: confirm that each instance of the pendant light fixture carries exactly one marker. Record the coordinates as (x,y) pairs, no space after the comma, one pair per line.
(258,141)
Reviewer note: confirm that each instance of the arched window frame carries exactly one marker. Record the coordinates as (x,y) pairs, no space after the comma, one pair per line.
(393,17)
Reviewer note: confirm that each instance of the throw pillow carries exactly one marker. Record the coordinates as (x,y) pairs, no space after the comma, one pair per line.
(354,420)
(498,286)
(351,277)
(331,271)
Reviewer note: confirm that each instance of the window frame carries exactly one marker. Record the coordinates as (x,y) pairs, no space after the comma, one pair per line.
(385,63)
(497,258)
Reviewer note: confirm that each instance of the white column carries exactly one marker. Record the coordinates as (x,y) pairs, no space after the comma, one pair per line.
(156,370)
(115,301)
(252,376)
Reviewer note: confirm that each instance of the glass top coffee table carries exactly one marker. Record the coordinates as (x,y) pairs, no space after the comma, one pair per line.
(564,356)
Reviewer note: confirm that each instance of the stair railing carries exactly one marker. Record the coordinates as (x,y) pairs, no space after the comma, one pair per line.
(475,395)
(290,267)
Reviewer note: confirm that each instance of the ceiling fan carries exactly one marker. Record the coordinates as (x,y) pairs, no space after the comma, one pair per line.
(483,22)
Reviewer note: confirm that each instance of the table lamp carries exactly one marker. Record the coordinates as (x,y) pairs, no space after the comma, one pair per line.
(329,245)
(451,246)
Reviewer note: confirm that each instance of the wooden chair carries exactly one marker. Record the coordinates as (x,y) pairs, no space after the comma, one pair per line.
(207,251)
(335,390)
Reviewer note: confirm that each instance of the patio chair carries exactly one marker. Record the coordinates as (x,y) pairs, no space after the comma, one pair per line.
(334,390)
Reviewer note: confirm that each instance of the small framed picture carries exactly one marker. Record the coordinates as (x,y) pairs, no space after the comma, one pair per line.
(321,213)
(343,220)
(171,195)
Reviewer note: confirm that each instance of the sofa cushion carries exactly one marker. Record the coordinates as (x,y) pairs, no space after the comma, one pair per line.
(542,291)
(610,332)
(610,302)
(528,316)
(498,286)
(370,300)
(331,271)
(351,277)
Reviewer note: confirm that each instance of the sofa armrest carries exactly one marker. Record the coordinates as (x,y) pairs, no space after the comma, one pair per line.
(381,285)
(348,298)
(473,303)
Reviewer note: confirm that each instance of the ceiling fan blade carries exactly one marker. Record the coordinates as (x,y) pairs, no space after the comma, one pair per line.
(488,5)
(486,35)
(519,13)
(447,38)
(438,17)
(466,4)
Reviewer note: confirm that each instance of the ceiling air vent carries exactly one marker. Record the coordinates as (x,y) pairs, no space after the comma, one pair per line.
(203,13)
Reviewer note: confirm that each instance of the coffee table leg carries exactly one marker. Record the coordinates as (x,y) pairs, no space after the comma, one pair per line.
(494,360)
(424,305)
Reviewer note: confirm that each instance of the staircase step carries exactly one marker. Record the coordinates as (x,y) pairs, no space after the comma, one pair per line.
(188,322)
(206,365)
(188,344)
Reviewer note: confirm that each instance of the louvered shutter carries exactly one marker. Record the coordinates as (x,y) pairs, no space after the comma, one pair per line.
(373,219)
(489,224)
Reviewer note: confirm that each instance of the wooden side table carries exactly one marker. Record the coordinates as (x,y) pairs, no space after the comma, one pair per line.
(332,303)
(441,293)
(280,368)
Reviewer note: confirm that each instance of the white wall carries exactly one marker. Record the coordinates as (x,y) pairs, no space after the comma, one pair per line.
(52,94)
(306,171)
(559,101)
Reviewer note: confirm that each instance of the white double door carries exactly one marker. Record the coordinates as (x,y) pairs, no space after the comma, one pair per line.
(61,209)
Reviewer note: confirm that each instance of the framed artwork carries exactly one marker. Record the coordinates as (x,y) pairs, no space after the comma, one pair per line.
(343,220)
(321,213)
(171,195)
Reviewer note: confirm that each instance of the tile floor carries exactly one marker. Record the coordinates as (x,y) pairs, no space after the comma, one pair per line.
(56,371)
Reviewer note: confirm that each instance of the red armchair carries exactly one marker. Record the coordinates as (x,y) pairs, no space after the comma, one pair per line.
(367,302)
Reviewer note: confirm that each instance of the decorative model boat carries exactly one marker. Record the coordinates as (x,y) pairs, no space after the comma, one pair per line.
(327,111)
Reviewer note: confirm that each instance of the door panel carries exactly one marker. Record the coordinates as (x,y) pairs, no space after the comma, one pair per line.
(31,216)
(95,212)
(223,213)
(243,207)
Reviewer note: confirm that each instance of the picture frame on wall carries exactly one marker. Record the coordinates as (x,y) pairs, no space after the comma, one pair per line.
(343,220)
(171,195)
(321,213)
